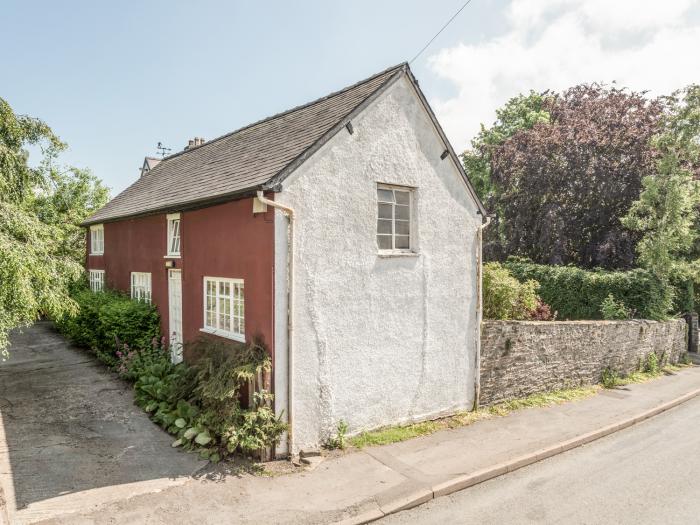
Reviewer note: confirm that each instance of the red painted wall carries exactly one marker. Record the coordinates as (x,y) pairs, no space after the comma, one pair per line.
(225,240)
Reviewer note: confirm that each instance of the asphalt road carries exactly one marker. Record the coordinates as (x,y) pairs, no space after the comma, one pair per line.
(648,473)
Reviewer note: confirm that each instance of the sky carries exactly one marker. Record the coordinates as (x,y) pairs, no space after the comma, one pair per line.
(113,79)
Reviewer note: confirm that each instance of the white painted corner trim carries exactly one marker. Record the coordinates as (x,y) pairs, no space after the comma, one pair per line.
(289,212)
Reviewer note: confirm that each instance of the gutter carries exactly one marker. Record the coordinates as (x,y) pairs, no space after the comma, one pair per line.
(479,311)
(289,212)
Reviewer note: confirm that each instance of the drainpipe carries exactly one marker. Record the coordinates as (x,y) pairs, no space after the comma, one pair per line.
(289,212)
(479,310)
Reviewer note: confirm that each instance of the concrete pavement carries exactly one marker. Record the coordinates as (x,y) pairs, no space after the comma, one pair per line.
(68,428)
(643,474)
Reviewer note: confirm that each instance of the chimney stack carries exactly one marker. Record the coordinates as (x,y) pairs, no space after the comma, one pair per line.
(195,142)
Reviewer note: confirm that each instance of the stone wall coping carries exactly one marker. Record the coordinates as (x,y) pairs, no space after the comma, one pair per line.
(587,322)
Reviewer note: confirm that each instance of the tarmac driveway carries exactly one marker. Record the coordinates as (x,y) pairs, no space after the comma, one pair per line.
(67,426)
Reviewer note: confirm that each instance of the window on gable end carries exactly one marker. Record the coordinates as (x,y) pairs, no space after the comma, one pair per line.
(394,215)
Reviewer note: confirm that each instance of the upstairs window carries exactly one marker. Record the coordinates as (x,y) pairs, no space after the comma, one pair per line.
(97,280)
(141,286)
(173,235)
(97,239)
(224,308)
(394,218)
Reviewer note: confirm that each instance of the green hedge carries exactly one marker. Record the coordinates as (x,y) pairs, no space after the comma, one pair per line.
(575,293)
(106,315)
(684,294)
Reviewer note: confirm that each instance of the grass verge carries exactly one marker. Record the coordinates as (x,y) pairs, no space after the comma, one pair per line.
(395,434)
(640,376)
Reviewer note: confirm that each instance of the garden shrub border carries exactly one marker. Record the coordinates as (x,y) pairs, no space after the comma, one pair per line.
(108,320)
(199,404)
(577,294)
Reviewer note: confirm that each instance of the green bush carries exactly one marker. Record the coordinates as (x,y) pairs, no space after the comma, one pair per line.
(108,320)
(158,386)
(651,364)
(200,404)
(610,378)
(505,297)
(221,371)
(612,310)
(575,293)
(132,363)
(683,293)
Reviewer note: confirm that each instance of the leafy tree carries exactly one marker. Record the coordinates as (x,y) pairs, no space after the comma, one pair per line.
(41,251)
(666,212)
(521,112)
(74,195)
(565,173)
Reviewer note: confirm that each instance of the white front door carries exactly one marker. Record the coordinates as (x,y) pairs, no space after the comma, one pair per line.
(175,309)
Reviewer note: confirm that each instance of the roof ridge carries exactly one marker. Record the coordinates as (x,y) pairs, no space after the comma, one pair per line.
(402,65)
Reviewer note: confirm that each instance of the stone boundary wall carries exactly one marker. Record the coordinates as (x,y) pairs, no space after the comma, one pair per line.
(519,358)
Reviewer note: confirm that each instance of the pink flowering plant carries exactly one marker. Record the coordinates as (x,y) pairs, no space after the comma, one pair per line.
(133,362)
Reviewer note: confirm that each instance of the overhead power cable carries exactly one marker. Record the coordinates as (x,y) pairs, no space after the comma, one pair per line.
(441,30)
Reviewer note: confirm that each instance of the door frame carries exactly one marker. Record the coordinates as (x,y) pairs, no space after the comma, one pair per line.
(173,332)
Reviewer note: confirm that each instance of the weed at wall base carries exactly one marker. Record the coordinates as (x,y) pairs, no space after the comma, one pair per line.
(395,434)
(610,378)
(339,441)
(649,367)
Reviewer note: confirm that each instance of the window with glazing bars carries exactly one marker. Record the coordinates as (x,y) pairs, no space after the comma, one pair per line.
(97,280)
(141,286)
(174,234)
(97,239)
(394,218)
(224,307)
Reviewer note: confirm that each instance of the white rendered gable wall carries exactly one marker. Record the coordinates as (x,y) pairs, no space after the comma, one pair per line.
(378,340)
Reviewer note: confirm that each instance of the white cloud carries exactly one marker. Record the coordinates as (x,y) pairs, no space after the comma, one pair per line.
(560,43)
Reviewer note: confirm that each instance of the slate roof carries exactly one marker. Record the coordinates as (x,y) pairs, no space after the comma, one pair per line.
(242,160)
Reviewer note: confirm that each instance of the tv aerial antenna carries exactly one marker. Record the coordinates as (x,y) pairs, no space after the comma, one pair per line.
(162,150)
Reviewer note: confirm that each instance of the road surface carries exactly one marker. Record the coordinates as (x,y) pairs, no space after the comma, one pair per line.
(648,473)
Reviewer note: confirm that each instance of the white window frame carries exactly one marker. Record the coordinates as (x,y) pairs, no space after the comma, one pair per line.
(97,280)
(411,237)
(141,286)
(215,327)
(172,219)
(97,239)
